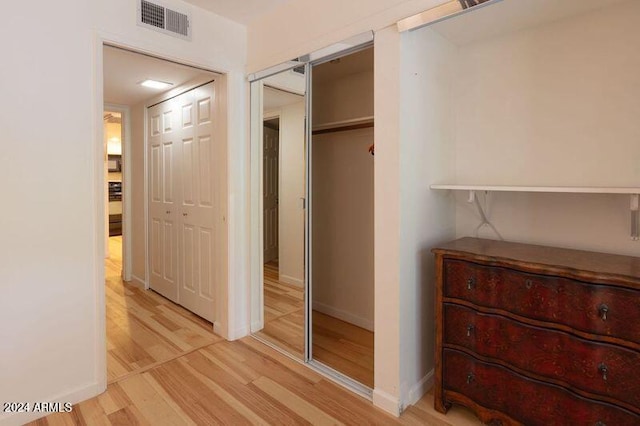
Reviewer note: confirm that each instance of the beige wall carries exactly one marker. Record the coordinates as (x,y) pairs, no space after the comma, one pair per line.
(347,98)
(343,226)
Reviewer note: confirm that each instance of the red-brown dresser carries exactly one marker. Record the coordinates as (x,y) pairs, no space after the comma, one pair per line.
(537,335)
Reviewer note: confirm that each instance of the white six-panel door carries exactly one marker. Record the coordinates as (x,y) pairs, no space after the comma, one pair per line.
(162,206)
(271,193)
(188,160)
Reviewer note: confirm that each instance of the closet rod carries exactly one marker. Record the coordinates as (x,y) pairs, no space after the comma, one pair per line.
(343,128)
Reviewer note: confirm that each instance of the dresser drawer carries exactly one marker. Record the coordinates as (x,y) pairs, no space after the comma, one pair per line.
(527,401)
(591,308)
(598,368)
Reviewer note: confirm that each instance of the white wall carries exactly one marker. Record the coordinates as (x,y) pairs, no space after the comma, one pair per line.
(564,112)
(136,187)
(52,332)
(427,218)
(291,212)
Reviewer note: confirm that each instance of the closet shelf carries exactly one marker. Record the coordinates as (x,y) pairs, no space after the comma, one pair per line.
(633,192)
(336,126)
(561,189)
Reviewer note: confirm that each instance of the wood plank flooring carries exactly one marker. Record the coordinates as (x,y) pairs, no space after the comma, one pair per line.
(337,344)
(283,313)
(226,383)
(143,328)
(343,347)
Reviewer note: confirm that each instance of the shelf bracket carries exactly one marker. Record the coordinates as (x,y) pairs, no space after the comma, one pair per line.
(472,196)
(635,215)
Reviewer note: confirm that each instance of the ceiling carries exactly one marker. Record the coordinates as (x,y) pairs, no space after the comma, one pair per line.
(123,70)
(274,98)
(241,11)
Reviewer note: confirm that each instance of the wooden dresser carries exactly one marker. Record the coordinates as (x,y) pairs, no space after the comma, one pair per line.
(537,335)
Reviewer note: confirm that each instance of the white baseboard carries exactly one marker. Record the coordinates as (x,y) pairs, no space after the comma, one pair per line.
(239,333)
(418,390)
(256,326)
(219,330)
(343,315)
(138,282)
(291,280)
(386,402)
(75,396)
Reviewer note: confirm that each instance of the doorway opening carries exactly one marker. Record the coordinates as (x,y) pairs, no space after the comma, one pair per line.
(144,328)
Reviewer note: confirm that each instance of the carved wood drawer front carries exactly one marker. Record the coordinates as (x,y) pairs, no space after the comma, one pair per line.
(591,308)
(598,368)
(527,401)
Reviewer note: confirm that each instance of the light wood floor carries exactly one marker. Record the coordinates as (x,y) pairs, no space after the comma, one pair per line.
(337,344)
(283,313)
(143,328)
(229,383)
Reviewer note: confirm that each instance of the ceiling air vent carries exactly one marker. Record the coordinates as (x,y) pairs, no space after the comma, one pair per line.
(156,16)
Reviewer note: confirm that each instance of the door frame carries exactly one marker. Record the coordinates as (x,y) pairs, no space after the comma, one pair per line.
(98,180)
(256,119)
(127,259)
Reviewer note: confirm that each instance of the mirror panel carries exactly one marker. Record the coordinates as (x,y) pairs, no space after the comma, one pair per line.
(278,141)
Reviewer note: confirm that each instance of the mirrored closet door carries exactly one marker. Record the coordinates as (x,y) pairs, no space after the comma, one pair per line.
(312,210)
(278,133)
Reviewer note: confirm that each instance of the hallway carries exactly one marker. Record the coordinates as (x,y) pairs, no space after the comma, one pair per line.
(143,328)
(166,367)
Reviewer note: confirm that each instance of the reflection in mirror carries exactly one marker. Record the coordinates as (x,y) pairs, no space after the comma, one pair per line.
(342,215)
(278,106)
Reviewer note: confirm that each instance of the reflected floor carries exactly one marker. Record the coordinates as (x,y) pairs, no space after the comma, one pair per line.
(336,343)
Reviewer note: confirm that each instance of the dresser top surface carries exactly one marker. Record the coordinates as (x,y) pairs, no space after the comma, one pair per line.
(551,257)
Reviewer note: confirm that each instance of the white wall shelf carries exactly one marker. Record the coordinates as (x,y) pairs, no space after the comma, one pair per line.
(633,192)
(561,189)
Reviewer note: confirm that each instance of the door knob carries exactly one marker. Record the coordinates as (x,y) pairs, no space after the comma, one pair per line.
(185,214)
(168,212)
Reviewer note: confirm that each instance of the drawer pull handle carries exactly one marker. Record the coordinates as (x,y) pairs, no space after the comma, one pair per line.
(528,284)
(603,309)
(602,368)
(600,423)
(470,328)
(470,378)
(471,283)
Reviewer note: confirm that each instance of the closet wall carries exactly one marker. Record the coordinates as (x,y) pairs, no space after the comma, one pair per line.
(563,113)
(343,191)
(291,212)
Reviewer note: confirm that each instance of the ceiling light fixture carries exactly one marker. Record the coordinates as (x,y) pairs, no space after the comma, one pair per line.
(155,84)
